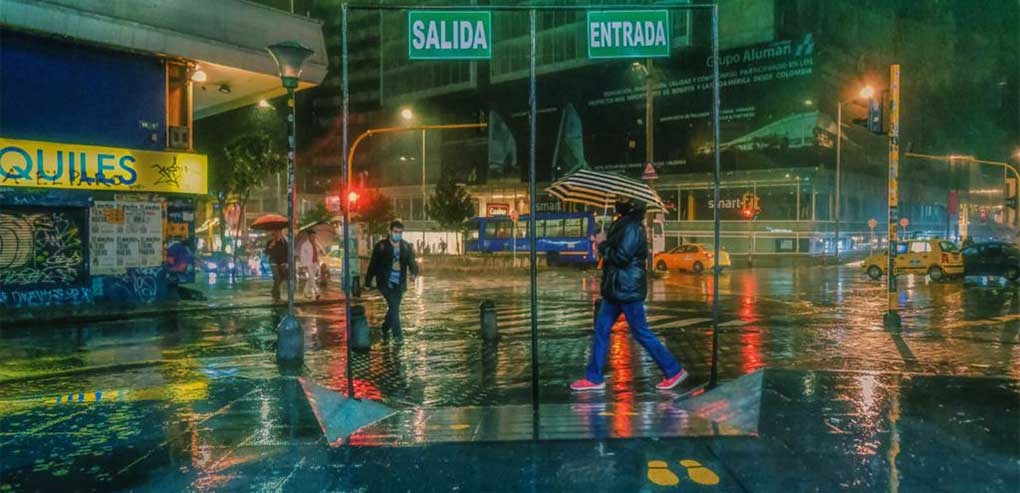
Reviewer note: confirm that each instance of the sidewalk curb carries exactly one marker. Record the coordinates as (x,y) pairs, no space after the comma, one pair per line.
(166,310)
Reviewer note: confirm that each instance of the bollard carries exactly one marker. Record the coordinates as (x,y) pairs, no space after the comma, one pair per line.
(359,328)
(487,314)
(597,309)
(290,341)
(356,286)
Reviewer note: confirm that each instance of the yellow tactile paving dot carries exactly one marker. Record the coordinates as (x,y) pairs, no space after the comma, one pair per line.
(699,473)
(659,474)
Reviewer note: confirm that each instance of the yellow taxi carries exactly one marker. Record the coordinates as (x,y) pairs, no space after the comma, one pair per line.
(938,259)
(692,257)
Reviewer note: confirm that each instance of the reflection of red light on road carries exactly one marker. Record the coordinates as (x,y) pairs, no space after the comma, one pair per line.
(750,348)
(623,380)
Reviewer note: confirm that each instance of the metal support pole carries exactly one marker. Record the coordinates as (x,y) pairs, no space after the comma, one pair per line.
(892,317)
(649,158)
(839,148)
(424,193)
(649,100)
(532,123)
(345,184)
(714,378)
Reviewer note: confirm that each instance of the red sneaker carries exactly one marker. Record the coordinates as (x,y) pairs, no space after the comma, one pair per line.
(585,385)
(668,383)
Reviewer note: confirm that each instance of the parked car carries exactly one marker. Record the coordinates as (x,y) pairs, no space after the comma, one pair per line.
(692,257)
(938,259)
(993,258)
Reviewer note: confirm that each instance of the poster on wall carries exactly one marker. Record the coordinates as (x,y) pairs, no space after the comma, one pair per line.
(126,235)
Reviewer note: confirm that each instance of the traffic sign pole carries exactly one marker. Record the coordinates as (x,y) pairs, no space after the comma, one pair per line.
(892,317)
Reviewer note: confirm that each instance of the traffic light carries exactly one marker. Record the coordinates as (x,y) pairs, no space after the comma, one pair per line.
(877,120)
(750,207)
(352,200)
(878,114)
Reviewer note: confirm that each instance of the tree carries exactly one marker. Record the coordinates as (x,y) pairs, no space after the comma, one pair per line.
(375,210)
(317,213)
(251,159)
(451,205)
(215,134)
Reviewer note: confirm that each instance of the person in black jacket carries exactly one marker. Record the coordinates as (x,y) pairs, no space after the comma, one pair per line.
(624,287)
(276,249)
(391,260)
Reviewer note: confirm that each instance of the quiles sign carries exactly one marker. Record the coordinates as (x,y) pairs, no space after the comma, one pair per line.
(36,164)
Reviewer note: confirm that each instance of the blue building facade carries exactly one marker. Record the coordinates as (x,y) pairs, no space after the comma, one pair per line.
(68,112)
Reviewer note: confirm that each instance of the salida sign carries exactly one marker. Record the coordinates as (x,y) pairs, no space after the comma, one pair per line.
(449,35)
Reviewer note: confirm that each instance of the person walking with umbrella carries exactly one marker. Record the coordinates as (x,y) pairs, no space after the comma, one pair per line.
(624,288)
(276,249)
(310,253)
(391,262)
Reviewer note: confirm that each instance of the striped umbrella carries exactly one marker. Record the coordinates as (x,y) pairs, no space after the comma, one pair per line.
(602,189)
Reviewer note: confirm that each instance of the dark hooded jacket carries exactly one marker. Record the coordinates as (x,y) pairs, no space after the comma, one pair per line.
(624,279)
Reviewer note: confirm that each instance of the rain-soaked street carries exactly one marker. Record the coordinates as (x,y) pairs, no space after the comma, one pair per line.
(816,395)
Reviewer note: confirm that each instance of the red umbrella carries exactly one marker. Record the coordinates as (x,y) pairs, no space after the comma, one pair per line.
(269,222)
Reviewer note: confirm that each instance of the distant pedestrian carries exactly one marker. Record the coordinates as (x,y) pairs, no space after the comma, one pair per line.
(442,247)
(311,251)
(276,249)
(392,264)
(624,288)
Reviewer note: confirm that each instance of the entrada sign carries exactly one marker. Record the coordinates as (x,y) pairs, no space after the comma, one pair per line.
(27,163)
(449,35)
(628,34)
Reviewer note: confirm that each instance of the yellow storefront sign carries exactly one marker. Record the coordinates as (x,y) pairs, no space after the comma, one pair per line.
(35,164)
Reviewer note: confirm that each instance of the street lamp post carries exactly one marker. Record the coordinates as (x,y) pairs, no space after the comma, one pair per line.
(289,56)
(408,115)
(866,93)
(645,70)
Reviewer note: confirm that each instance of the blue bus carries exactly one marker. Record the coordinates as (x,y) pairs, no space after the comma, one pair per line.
(562,237)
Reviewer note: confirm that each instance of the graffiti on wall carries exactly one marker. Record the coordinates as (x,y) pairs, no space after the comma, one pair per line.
(42,257)
(46,297)
(41,249)
(137,285)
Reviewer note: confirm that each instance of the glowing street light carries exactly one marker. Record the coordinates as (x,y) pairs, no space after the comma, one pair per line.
(407,114)
(866,92)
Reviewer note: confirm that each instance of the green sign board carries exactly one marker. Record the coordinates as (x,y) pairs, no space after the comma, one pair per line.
(449,35)
(628,34)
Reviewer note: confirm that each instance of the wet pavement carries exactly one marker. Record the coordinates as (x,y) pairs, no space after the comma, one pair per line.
(194,401)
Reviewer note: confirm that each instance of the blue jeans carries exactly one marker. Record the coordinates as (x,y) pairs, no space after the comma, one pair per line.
(392,295)
(635,314)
